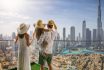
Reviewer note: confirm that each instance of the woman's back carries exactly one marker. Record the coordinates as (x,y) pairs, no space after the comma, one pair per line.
(22,40)
(39,31)
(24,55)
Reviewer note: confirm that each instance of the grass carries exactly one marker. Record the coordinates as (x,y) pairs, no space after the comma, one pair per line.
(34,66)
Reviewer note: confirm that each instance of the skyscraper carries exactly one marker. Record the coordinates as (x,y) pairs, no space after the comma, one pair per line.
(79,37)
(94,38)
(64,33)
(64,37)
(88,37)
(1,36)
(58,37)
(72,33)
(99,24)
(94,35)
(84,33)
(13,35)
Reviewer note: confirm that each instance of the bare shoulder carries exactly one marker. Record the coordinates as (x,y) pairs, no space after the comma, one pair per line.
(26,34)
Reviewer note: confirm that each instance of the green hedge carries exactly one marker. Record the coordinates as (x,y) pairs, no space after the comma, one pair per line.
(34,66)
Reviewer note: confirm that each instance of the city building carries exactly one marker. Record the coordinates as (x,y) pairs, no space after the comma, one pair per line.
(94,37)
(1,36)
(88,37)
(84,33)
(68,37)
(79,39)
(99,24)
(13,35)
(64,33)
(56,44)
(58,37)
(72,33)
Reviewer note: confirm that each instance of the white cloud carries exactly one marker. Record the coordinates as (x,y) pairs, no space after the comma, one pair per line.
(7,29)
(4,14)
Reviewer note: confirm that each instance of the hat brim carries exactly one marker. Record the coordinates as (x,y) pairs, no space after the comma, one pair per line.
(42,26)
(24,30)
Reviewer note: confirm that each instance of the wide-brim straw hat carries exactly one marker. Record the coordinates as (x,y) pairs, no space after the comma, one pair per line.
(40,24)
(23,28)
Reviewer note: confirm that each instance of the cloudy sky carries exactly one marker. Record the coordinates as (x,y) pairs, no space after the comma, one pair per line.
(65,13)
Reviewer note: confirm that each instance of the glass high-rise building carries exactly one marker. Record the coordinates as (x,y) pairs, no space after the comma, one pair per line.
(88,37)
(84,33)
(99,25)
(72,33)
(64,33)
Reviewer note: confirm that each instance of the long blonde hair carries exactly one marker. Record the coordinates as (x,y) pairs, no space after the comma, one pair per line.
(39,32)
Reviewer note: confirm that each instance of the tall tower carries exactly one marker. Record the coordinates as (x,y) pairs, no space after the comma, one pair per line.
(13,35)
(94,35)
(64,33)
(72,33)
(84,33)
(64,36)
(88,37)
(99,24)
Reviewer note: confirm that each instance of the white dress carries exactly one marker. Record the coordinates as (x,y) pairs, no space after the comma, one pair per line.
(23,55)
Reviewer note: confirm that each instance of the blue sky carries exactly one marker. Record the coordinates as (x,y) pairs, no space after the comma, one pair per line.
(65,13)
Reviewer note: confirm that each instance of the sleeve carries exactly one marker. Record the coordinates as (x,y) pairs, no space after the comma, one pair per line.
(54,34)
(41,39)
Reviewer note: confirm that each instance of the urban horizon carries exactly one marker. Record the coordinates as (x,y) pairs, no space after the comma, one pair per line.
(87,11)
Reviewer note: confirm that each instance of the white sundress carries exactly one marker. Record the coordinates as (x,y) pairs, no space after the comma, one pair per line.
(23,55)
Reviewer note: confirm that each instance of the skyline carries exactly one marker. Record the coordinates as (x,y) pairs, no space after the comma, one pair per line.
(65,13)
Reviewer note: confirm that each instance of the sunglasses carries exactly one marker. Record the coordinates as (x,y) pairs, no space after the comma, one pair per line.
(50,26)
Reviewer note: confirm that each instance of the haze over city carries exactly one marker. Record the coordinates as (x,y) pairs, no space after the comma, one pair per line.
(78,45)
(65,13)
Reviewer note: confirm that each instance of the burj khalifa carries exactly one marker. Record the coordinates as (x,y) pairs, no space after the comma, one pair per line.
(99,25)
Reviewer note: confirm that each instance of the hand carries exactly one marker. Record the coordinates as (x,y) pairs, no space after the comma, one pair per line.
(15,41)
(44,25)
(55,26)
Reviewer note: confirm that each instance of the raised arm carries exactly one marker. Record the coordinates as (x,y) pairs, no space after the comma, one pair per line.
(27,39)
(16,39)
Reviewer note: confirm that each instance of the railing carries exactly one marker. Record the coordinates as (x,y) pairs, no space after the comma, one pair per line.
(9,50)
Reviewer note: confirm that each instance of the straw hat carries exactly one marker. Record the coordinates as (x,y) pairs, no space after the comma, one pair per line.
(40,24)
(23,28)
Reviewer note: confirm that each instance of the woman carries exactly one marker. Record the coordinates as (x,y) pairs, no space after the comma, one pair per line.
(35,48)
(23,40)
(39,31)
